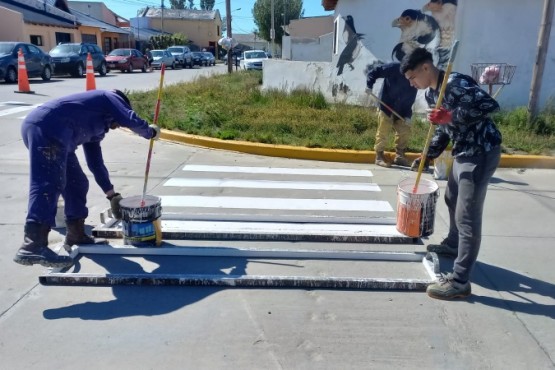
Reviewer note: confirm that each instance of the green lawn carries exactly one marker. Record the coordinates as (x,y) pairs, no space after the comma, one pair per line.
(232,107)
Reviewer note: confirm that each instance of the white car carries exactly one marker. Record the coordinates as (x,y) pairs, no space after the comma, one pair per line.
(253,59)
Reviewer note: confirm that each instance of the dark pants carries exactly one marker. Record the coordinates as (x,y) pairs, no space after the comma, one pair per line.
(465,195)
(55,170)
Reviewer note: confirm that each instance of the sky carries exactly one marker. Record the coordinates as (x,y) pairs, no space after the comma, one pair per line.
(241,10)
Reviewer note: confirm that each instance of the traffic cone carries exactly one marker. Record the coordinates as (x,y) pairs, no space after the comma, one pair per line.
(22,78)
(91,84)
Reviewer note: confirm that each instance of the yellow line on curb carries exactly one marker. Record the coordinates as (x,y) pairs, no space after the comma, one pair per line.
(331,155)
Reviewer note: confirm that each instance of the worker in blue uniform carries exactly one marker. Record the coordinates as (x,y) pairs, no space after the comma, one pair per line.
(399,95)
(52,132)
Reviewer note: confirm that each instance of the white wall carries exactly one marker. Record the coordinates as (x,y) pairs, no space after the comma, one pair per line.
(489,31)
(310,49)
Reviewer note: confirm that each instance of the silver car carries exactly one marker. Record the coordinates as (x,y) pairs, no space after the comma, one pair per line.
(160,57)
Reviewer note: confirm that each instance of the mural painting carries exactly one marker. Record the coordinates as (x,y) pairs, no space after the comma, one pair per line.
(431,27)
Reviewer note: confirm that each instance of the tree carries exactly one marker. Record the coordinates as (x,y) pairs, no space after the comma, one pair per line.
(164,41)
(284,10)
(177,4)
(207,4)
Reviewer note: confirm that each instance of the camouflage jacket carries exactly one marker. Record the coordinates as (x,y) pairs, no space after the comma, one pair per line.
(471,131)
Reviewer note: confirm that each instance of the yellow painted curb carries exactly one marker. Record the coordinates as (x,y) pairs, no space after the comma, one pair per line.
(330,155)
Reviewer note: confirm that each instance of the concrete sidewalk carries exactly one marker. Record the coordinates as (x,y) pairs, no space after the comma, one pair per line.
(507,324)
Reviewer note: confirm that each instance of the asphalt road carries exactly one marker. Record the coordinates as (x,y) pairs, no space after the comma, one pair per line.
(508,323)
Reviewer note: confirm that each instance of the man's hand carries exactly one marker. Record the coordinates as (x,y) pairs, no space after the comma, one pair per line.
(439,116)
(155,132)
(416,164)
(114,204)
(370,83)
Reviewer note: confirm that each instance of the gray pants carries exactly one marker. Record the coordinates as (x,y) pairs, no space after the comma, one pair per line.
(465,195)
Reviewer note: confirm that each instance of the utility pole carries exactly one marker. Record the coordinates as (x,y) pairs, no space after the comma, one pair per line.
(162,15)
(273,31)
(228,25)
(537,74)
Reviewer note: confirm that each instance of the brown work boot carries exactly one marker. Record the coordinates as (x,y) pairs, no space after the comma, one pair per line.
(75,234)
(400,159)
(35,249)
(380,160)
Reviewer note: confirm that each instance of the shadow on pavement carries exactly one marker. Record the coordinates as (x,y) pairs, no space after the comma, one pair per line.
(522,287)
(148,300)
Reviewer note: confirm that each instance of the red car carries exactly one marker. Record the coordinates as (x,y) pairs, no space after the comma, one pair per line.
(126,60)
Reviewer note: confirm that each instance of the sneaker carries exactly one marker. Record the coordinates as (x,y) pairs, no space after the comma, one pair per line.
(448,288)
(382,163)
(401,161)
(43,256)
(443,249)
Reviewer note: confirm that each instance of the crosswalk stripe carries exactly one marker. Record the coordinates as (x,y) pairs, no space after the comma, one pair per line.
(280,170)
(267,184)
(276,203)
(14,110)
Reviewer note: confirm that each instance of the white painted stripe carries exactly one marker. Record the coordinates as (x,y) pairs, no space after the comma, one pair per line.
(281,228)
(277,203)
(266,184)
(280,170)
(15,110)
(11,102)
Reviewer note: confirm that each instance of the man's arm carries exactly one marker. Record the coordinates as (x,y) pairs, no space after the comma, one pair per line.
(470,104)
(95,162)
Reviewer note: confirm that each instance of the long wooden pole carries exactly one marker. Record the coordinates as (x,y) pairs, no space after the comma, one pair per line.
(155,122)
(438,105)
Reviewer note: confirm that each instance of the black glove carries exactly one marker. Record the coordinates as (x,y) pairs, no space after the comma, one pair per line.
(416,164)
(370,83)
(114,204)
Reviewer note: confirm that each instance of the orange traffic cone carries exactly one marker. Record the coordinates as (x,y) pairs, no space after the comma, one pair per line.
(91,84)
(22,78)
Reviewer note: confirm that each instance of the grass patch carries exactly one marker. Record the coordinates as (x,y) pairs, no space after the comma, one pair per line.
(232,107)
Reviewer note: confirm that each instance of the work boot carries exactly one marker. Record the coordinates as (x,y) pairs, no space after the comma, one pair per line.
(400,159)
(449,288)
(443,249)
(75,234)
(380,160)
(35,249)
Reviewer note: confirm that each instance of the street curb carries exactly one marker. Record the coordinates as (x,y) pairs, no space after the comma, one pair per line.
(331,155)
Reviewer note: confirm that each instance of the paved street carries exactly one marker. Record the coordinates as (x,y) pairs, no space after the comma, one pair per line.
(508,323)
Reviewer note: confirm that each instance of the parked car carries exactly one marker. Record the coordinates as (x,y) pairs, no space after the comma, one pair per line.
(71,58)
(209,59)
(37,62)
(160,57)
(126,60)
(198,58)
(252,59)
(182,55)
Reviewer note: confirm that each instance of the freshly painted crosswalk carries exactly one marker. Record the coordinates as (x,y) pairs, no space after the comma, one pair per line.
(16,109)
(276,203)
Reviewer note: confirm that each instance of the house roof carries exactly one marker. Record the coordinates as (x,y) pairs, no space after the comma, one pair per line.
(40,13)
(87,20)
(191,14)
(329,4)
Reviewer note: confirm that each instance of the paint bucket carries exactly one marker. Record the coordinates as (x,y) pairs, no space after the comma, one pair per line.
(416,210)
(141,224)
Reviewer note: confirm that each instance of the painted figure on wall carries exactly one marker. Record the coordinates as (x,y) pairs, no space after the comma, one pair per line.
(433,32)
(352,45)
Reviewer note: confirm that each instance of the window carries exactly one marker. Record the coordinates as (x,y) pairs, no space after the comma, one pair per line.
(34,50)
(36,40)
(88,38)
(62,37)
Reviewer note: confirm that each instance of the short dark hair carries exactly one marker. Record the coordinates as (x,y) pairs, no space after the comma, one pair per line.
(123,96)
(414,59)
